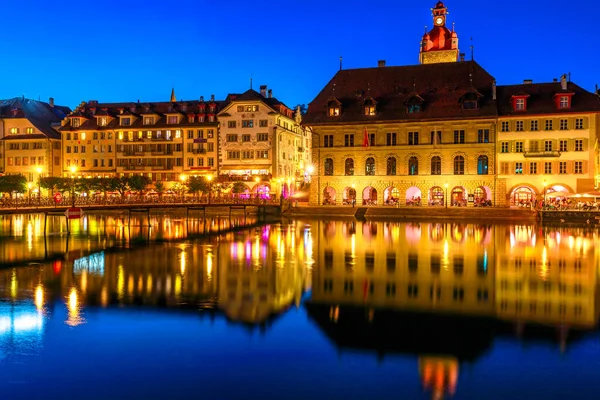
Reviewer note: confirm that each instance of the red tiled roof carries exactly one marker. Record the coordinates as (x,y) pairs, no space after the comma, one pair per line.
(441,86)
(159,109)
(541,99)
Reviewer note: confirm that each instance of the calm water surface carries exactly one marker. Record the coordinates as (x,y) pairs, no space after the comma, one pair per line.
(296,310)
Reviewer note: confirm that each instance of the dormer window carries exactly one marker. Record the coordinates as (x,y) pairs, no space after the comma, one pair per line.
(212,108)
(148,120)
(469,105)
(369,107)
(564,102)
(172,119)
(334,107)
(414,103)
(520,105)
(191,118)
(125,121)
(75,122)
(102,121)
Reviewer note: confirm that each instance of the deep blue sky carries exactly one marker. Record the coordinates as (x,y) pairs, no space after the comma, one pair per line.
(129,50)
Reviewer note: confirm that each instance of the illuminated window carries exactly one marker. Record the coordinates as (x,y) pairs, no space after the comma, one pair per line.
(564,101)
(247,123)
(148,120)
(14,130)
(520,104)
(172,119)
(334,111)
(28,130)
(75,122)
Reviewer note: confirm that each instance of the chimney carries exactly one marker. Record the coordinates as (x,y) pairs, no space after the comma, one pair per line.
(381,63)
(263,90)
(270,93)
(563,82)
(554,80)
(462,57)
(527,81)
(201,98)
(51,101)
(494,90)
(212,97)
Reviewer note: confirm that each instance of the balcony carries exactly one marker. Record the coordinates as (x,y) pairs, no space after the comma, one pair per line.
(199,151)
(534,153)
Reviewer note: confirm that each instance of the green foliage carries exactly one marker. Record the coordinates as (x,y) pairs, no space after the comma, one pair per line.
(160,187)
(197,184)
(54,183)
(121,185)
(239,187)
(138,183)
(13,183)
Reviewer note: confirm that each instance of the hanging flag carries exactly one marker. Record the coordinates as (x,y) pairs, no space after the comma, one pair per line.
(366,138)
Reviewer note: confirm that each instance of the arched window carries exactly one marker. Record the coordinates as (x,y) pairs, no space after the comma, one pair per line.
(482,165)
(329,166)
(349,167)
(391,166)
(413,166)
(370,166)
(459,165)
(436,165)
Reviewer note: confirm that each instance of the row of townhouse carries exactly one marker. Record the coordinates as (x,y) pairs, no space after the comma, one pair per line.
(251,137)
(443,133)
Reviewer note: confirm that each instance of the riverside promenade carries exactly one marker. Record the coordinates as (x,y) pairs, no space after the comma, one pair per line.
(468,214)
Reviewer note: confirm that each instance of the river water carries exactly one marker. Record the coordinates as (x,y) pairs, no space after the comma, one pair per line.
(303,309)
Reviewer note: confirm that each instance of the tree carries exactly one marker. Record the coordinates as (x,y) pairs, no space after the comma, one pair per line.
(53,183)
(138,183)
(121,185)
(303,108)
(239,188)
(13,183)
(160,188)
(197,184)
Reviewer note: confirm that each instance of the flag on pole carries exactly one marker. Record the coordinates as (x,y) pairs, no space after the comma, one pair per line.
(366,138)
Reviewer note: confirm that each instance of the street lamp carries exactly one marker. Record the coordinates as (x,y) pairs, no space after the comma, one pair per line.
(73,170)
(545,183)
(446,194)
(257,179)
(182,178)
(310,169)
(39,171)
(209,178)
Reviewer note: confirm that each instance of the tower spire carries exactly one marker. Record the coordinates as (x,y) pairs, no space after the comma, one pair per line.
(173,98)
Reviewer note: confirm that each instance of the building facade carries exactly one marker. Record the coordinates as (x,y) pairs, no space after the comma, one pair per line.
(442,133)
(547,134)
(262,142)
(31,143)
(162,140)
(421,134)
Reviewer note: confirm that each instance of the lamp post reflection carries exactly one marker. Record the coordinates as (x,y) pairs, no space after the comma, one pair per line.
(446,194)
(545,183)
(73,169)
(257,179)
(39,172)
(73,308)
(209,178)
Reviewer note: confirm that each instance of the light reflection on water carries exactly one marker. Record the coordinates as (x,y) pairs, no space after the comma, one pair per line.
(433,299)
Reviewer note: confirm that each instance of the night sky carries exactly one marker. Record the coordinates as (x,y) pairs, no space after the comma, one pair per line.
(133,50)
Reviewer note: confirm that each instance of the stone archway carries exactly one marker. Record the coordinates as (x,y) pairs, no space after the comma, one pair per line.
(329,196)
(349,195)
(458,197)
(391,195)
(413,196)
(369,196)
(482,196)
(523,196)
(436,196)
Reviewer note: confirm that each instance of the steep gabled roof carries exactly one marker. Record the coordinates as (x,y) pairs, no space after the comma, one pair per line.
(41,115)
(541,99)
(159,109)
(441,86)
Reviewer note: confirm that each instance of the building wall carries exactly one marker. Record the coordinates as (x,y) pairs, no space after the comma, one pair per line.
(518,154)
(92,153)
(380,151)
(25,156)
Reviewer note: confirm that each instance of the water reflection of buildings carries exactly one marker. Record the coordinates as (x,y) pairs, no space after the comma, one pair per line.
(442,291)
(251,275)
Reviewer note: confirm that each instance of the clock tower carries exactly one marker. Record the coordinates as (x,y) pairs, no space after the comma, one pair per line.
(440,44)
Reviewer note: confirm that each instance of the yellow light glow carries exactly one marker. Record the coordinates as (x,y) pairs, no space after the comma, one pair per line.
(39,296)
(182,177)
(182,261)
(209,266)
(13,284)
(73,169)
(257,179)
(73,308)
(120,282)
(310,169)
(84,281)
(209,178)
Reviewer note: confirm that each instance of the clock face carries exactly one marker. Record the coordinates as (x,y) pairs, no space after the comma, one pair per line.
(439,20)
